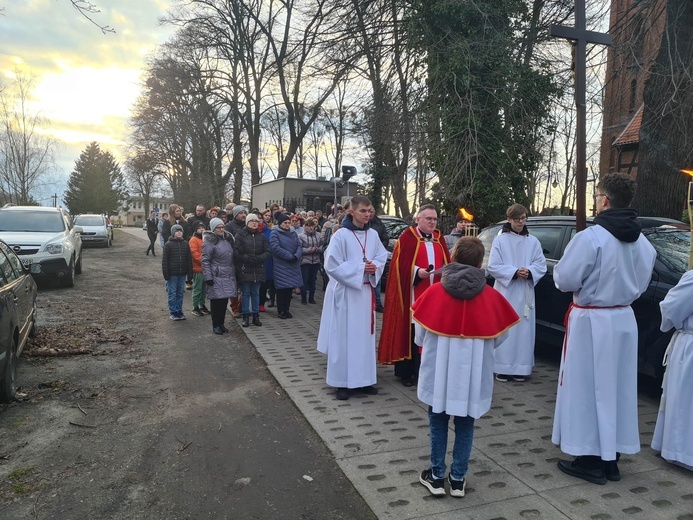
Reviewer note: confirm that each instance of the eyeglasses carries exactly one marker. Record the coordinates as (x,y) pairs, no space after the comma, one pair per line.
(597,195)
(219,227)
(521,219)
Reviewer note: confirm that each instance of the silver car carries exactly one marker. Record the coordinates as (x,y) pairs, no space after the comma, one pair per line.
(96,230)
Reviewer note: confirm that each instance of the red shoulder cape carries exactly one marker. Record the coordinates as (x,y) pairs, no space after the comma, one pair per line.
(487,315)
(395,337)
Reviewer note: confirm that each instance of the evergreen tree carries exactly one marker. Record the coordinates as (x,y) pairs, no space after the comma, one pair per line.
(96,184)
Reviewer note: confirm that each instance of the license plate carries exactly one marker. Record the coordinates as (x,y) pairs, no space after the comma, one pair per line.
(26,261)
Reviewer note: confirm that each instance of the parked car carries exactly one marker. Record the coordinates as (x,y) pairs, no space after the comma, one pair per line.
(395,226)
(17,319)
(96,229)
(670,238)
(45,240)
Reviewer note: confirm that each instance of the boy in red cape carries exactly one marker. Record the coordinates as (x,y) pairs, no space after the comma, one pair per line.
(458,322)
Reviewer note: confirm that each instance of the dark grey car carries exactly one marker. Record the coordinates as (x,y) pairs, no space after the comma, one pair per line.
(17,317)
(670,238)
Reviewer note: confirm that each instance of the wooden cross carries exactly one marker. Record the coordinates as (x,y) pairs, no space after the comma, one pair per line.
(581,37)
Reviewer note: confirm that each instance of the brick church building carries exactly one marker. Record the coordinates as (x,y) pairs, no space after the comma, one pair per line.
(636,28)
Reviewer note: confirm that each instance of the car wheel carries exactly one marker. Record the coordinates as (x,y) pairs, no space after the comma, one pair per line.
(69,281)
(7,388)
(78,266)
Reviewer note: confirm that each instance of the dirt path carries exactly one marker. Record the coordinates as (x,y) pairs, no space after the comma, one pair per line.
(162,420)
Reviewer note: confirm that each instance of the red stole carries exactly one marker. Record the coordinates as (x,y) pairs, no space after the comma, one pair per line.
(410,253)
(487,315)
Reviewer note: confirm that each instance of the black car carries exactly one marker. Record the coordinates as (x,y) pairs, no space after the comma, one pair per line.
(670,238)
(17,316)
(395,226)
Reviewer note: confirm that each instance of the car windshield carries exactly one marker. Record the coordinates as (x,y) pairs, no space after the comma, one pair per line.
(89,220)
(673,248)
(395,228)
(31,221)
(486,237)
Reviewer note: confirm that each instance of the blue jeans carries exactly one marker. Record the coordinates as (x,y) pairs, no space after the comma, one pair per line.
(250,294)
(176,290)
(378,297)
(309,273)
(464,434)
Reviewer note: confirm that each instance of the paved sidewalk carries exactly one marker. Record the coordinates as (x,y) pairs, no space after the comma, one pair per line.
(381,443)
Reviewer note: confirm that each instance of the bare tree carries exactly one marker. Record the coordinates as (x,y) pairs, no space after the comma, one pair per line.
(26,153)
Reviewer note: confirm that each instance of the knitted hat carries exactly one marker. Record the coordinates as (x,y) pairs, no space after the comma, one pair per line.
(238,209)
(281,217)
(251,216)
(199,224)
(176,227)
(215,222)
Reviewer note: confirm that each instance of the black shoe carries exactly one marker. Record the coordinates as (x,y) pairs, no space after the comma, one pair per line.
(218,330)
(181,316)
(225,329)
(197,312)
(281,316)
(611,469)
(369,390)
(246,320)
(312,301)
(503,378)
(288,314)
(589,468)
(435,485)
(342,394)
(256,320)
(205,310)
(379,308)
(304,301)
(408,381)
(147,253)
(456,487)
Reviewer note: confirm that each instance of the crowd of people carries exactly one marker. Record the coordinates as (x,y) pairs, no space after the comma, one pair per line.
(445,330)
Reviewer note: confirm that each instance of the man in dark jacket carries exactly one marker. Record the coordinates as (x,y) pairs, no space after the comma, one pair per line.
(152,231)
(378,226)
(199,216)
(251,250)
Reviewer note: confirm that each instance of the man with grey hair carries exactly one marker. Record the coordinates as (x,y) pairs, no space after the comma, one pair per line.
(418,253)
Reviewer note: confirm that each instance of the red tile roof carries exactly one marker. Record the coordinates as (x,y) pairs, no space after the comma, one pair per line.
(631,133)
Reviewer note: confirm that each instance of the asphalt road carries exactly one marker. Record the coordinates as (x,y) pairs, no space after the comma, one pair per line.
(164,421)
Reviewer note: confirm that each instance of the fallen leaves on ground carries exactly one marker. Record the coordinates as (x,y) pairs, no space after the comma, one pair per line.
(71,339)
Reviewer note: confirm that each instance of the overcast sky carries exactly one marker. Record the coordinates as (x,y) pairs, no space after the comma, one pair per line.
(85,81)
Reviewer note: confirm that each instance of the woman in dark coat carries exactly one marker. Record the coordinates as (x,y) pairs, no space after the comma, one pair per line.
(252,249)
(219,272)
(286,252)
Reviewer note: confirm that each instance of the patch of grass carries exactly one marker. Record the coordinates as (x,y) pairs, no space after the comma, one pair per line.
(19,473)
(21,489)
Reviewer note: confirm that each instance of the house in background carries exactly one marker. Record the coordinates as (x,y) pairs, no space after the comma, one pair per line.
(135,215)
(300,194)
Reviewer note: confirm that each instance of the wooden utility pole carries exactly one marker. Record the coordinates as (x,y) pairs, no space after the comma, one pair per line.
(580,37)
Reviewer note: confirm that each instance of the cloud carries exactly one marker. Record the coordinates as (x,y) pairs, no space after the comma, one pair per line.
(85,82)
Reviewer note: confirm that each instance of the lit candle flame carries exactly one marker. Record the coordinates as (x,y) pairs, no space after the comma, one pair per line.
(687,172)
(468,216)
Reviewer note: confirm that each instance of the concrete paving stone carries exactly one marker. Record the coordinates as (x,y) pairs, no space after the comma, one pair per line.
(511,413)
(390,484)
(663,494)
(318,400)
(298,374)
(530,507)
(372,429)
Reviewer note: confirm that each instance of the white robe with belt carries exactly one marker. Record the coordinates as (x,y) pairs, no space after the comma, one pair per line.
(673,434)
(509,252)
(597,400)
(348,313)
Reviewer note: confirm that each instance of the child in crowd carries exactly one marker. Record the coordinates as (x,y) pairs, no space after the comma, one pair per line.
(199,290)
(459,322)
(176,263)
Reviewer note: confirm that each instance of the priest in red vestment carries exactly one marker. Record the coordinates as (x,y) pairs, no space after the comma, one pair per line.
(419,252)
